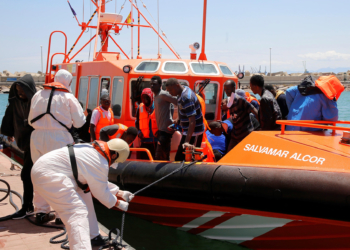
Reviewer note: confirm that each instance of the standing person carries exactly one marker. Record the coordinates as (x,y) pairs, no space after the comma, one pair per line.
(190,116)
(314,100)
(54,179)
(229,88)
(53,112)
(269,111)
(146,124)
(102,116)
(281,99)
(15,126)
(164,118)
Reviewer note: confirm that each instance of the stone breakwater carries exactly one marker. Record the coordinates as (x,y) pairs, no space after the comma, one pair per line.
(5,86)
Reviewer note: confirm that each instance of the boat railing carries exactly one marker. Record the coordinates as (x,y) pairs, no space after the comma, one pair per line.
(313,124)
(143,150)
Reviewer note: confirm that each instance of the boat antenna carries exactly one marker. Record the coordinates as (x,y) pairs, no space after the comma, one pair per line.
(116,6)
(203,56)
(83,9)
(158,29)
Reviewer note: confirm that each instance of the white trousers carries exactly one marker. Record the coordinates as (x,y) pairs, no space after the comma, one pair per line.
(42,142)
(74,207)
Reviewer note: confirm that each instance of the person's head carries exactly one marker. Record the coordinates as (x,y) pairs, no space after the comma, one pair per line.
(229,87)
(271,88)
(256,84)
(241,93)
(105,101)
(129,135)
(64,77)
(174,87)
(215,128)
(224,105)
(20,92)
(147,97)
(119,150)
(156,84)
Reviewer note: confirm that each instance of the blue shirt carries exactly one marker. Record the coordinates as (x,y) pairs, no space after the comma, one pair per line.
(312,107)
(220,142)
(188,105)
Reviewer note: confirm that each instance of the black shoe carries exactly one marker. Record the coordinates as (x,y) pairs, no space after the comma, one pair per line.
(99,240)
(41,218)
(58,221)
(23,212)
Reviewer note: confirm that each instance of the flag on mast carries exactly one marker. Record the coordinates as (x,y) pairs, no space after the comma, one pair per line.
(129,19)
(72,9)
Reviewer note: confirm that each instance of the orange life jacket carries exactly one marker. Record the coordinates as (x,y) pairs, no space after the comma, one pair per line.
(103,149)
(54,86)
(203,108)
(120,132)
(250,98)
(145,117)
(103,122)
(207,149)
(330,86)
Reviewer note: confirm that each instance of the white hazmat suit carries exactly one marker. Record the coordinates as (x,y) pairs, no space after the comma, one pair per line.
(53,179)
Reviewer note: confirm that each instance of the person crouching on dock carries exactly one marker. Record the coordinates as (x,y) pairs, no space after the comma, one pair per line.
(15,126)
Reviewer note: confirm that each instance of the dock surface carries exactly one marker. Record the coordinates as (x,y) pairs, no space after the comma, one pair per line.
(21,234)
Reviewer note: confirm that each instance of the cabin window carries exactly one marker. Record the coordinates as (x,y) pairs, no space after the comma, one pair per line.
(147,67)
(117,96)
(201,68)
(105,85)
(225,70)
(93,94)
(174,67)
(136,90)
(73,85)
(83,88)
(211,99)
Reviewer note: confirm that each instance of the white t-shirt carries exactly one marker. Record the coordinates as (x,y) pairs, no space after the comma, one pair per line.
(95,116)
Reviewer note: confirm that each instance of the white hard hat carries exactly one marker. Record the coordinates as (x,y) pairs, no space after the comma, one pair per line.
(121,147)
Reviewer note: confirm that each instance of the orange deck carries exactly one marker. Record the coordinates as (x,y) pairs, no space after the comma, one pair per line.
(21,234)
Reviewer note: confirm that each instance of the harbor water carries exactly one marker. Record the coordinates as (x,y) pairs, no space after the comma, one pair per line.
(144,235)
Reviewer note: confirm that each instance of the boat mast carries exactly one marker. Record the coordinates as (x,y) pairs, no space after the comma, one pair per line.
(203,56)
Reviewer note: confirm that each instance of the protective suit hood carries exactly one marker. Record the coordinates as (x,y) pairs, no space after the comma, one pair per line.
(64,77)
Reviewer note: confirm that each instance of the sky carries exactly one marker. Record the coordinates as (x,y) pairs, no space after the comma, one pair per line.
(238,32)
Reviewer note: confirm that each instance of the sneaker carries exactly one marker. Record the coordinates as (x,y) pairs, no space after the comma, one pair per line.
(58,221)
(23,212)
(41,218)
(99,240)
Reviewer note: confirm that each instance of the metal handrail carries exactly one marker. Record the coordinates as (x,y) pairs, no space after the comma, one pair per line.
(143,150)
(313,124)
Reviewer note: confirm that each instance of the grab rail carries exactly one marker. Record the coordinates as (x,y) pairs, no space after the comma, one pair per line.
(313,124)
(143,150)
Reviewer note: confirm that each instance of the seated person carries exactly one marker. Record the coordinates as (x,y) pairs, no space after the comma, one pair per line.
(240,110)
(281,99)
(118,131)
(269,111)
(146,124)
(312,100)
(219,137)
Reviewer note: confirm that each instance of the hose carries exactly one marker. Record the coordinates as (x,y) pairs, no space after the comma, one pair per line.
(53,240)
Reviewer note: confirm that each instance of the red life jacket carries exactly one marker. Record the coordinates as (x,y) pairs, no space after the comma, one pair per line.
(119,133)
(145,118)
(103,122)
(103,149)
(54,86)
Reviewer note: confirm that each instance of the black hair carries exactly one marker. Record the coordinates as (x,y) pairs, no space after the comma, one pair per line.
(171,82)
(257,80)
(232,83)
(269,87)
(158,79)
(104,97)
(214,125)
(131,131)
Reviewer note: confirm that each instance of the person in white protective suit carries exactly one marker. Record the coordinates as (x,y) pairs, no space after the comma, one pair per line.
(53,112)
(53,178)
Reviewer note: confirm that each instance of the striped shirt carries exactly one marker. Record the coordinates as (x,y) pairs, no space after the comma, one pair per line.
(188,105)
